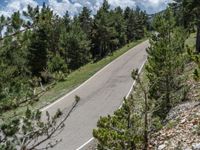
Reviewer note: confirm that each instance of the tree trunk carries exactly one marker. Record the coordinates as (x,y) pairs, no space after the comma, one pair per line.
(198,39)
(146,140)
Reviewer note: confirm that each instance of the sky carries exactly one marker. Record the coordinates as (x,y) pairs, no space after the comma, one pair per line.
(7,7)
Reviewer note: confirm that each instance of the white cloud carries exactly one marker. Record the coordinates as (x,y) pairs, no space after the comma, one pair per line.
(60,7)
(155,2)
(122,3)
(93,5)
(152,6)
(16,5)
(75,6)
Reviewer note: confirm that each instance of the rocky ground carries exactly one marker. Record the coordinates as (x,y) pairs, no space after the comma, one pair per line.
(181,132)
(182,128)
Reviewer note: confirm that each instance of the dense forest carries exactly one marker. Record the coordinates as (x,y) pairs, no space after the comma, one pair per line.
(163,85)
(38,47)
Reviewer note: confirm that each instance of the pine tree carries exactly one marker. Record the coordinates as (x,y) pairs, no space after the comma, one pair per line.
(77,46)
(40,44)
(13,63)
(118,21)
(38,52)
(165,64)
(65,27)
(102,32)
(108,32)
(191,13)
(196,58)
(86,21)
(131,26)
(136,20)
(66,21)
(141,23)
(127,12)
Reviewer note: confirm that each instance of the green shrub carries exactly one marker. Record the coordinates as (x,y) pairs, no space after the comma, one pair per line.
(57,63)
(156,124)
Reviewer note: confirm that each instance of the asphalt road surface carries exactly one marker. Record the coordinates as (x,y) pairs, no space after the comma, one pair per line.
(100,95)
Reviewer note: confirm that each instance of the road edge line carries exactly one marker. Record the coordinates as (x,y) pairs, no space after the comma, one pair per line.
(134,82)
(82,146)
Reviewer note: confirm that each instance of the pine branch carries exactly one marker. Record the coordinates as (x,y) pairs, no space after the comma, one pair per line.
(57,127)
(16,33)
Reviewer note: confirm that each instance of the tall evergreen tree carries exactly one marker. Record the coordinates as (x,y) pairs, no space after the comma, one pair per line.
(127,12)
(77,46)
(190,14)
(65,28)
(118,21)
(13,63)
(40,38)
(131,26)
(86,21)
(136,20)
(38,52)
(102,31)
(165,64)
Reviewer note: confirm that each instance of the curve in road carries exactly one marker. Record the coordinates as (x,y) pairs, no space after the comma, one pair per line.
(101,95)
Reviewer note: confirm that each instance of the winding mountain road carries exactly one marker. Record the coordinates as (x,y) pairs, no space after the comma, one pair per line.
(101,95)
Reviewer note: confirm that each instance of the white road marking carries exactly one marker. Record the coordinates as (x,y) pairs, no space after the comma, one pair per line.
(134,82)
(82,146)
(57,101)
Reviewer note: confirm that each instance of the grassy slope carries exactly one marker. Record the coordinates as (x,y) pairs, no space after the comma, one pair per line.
(191,40)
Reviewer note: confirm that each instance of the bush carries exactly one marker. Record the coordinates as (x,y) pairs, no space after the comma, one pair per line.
(156,124)
(46,76)
(59,76)
(56,64)
(123,130)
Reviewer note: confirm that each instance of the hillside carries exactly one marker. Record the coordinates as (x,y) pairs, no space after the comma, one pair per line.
(182,130)
(163,110)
